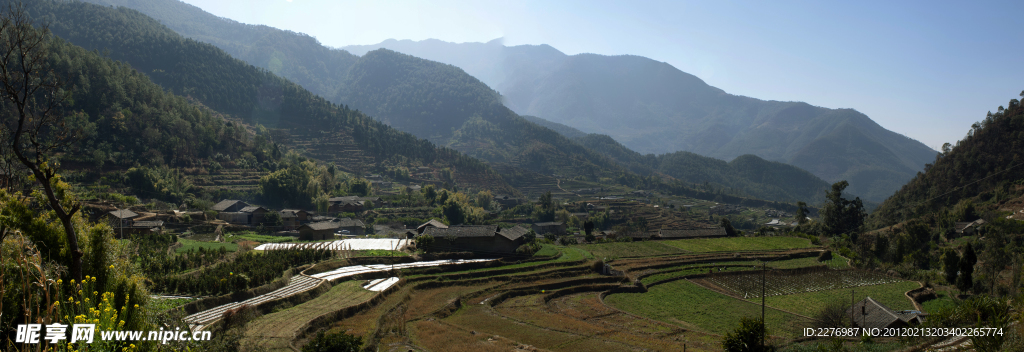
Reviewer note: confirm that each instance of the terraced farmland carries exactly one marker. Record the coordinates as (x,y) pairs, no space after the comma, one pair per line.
(276,331)
(809,303)
(777,283)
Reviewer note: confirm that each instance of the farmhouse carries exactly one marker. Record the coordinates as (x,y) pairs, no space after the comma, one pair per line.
(122,217)
(345,206)
(394,231)
(870,314)
(144,227)
(486,239)
(318,230)
(291,218)
(555,227)
(256,214)
(506,201)
(229,205)
(968,228)
(431,223)
(693,233)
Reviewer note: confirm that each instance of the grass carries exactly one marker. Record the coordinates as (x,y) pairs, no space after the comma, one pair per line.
(629,249)
(276,330)
(196,245)
(380,253)
(692,306)
(730,244)
(252,236)
(547,250)
(162,305)
(944,301)
(809,303)
(691,269)
(837,262)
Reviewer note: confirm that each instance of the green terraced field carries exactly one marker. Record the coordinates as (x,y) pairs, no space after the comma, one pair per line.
(891,295)
(729,244)
(629,249)
(689,305)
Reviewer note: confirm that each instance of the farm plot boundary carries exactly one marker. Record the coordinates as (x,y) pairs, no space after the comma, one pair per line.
(748,284)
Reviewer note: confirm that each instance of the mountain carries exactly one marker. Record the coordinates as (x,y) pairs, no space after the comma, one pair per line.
(747,174)
(295,116)
(431,100)
(986,166)
(652,107)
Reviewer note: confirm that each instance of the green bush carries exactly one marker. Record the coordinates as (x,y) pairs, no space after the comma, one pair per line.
(338,342)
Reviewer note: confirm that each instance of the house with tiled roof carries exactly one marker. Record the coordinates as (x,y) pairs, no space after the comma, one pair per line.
(869,314)
(555,227)
(482,239)
(229,205)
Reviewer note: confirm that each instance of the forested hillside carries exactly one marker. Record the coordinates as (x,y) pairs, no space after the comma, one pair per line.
(652,107)
(747,174)
(295,116)
(451,108)
(988,164)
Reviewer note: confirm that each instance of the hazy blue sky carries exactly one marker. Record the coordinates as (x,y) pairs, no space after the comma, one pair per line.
(925,69)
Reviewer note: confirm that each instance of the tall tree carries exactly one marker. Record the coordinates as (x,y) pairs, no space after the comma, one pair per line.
(841,215)
(950,265)
(35,127)
(801,213)
(965,281)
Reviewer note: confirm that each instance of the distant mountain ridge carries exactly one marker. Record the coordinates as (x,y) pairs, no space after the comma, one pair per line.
(432,100)
(652,107)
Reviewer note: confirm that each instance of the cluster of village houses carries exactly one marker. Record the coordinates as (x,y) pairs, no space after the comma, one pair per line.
(309,226)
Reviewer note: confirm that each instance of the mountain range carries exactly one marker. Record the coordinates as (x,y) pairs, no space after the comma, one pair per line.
(652,107)
(428,99)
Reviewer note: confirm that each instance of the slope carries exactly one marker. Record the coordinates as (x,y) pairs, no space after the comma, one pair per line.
(669,110)
(296,116)
(441,103)
(987,164)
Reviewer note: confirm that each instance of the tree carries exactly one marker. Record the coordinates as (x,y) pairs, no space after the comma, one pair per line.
(965,281)
(337,342)
(424,242)
(950,265)
(35,127)
(748,337)
(429,193)
(801,213)
(840,215)
(727,225)
(453,212)
(483,199)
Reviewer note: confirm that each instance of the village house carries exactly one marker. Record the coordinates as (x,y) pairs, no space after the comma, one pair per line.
(483,239)
(431,223)
(122,217)
(292,218)
(229,205)
(968,228)
(394,231)
(869,314)
(315,231)
(555,227)
(506,201)
(145,227)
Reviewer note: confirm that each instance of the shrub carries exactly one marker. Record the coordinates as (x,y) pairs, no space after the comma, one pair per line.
(747,337)
(338,342)
(825,256)
(424,242)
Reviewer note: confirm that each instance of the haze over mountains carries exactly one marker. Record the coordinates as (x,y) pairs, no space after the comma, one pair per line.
(647,105)
(449,107)
(652,107)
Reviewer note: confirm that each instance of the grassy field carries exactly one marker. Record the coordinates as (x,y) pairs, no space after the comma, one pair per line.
(698,245)
(943,301)
(195,245)
(729,244)
(809,303)
(692,306)
(274,331)
(547,250)
(691,269)
(837,262)
(629,249)
(380,253)
(253,236)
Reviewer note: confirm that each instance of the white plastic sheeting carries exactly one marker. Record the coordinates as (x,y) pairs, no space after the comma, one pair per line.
(361,269)
(381,284)
(355,244)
